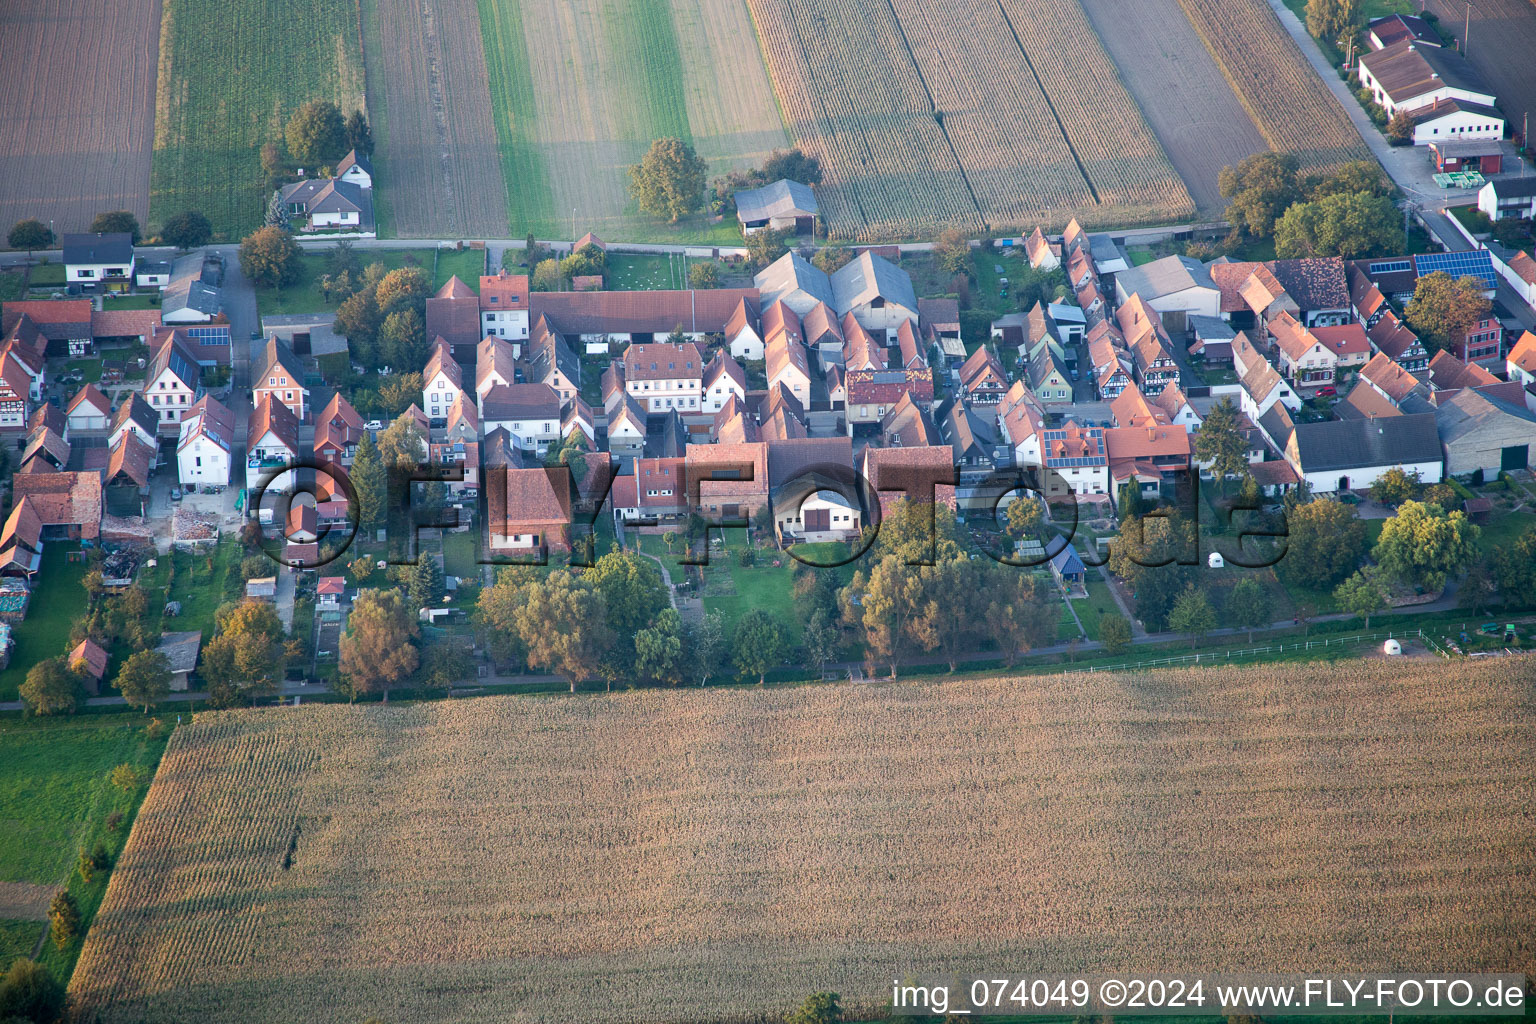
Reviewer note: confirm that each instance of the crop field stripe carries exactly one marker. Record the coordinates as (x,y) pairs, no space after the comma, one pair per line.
(641,36)
(1066,140)
(530,201)
(944,131)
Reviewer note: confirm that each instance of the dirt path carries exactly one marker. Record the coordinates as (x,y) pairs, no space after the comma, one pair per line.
(1189,104)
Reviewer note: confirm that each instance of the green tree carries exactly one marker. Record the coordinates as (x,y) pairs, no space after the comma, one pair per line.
(400,443)
(378,650)
(1326,542)
(1330,19)
(1192,614)
(1020,612)
(1350,225)
(403,339)
(633,591)
(116,222)
(548,277)
(30,235)
(1444,309)
(659,656)
(187,230)
(63,918)
(793,165)
(1024,517)
(704,275)
(1479,588)
(126,778)
(1219,443)
(1147,555)
(1401,128)
(588,261)
(316,133)
(1114,633)
(760,643)
(1514,570)
(1259,190)
(952,252)
(359,135)
(497,608)
(563,622)
(29,993)
(1362,594)
(1249,606)
(765,247)
(706,642)
(822,638)
(404,288)
(821,1008)
(669,181)
(426,585)
(371,484)
(145,679)
(247,658)
(358,319)
(51,688)
(270,257)
(829,259)
(1424,545)
(1351,178)
(1396,486)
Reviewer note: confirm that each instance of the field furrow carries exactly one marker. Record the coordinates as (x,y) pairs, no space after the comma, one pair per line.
(716,855)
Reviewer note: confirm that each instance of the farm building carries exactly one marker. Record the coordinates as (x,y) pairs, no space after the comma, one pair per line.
(65,324)
(312,334)
(1482,432)
(1482,155)
(637,316)
(782,206)
(805,514)
(1456,119)
(1508,197)
(90,663)
(137,325)
(1212,339)
(1172,285)
(453,314)
(1381,33)
(527,512)
(151,273)
(1407,76)
(1347,455)
(68,505)
(878,293)
(101,261)
(181,650)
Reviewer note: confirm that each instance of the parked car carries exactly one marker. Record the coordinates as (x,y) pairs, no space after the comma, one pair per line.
(374,425)
(1327,391)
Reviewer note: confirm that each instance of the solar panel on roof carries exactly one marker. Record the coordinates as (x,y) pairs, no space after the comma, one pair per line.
(1474,262)
(1390,267)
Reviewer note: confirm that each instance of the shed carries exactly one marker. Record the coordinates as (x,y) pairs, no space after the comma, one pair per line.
(1067,567)
(181,650)
(263,588)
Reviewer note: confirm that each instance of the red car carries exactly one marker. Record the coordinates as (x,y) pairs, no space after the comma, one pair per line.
(1327,391)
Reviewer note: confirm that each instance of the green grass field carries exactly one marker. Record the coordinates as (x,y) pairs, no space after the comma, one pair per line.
(46,275)
(17,940)
(140,301)
(304,296)
(57,599)
(230,75)
(12,284)
(530,201)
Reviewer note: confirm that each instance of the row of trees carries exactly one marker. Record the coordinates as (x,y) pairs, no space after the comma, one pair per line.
(186,230)
(1349,213)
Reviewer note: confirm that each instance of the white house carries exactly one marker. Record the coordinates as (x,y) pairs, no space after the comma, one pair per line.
(787,365)
(88,410)
(152,274)
(495,366)
(136,415)
(1407,76)
(171,383)
(99,260)
(743,334)
(1455,120)
(356,168)
(206,443)
(662,376)
(1352,454)
(441,381)
(327,204)
(1508,197)
(530,413)
(1521,359)
(192,293)
(821,516)
(723,377)
(271,441)
(504,306)
(14,383)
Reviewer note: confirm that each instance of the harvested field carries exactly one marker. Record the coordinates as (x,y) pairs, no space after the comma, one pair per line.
(1291,106)
(1190,105)
(434,136)
(717,855)
(933,133)
(224,93)
(580,89)
(1503,37)
(77,109)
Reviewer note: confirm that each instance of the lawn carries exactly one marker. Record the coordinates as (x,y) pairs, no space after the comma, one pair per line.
(223,94)
(140,301)
(199,587)
(459,555)
(46,275)
(647,271)
(57,599)
(55,798)
(12,284)
(1502,530)
(18,939)
(304,296)
(731,588)
(88,369)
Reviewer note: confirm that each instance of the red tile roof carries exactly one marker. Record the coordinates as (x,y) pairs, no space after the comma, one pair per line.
(504,291)
(64,499)
(125,323)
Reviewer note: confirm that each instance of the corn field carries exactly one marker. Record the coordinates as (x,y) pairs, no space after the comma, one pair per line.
(962,114)
(715,856)
(1292,107)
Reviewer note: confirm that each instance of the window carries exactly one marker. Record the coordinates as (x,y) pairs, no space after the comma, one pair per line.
(198,461)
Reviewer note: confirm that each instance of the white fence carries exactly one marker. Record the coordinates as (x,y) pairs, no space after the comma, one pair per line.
(1234,653)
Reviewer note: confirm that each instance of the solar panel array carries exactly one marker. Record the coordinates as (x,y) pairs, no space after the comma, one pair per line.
(1473,262)
(1095,438)
(1390,267)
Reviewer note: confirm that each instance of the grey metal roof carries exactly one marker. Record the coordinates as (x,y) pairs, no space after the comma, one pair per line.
(784,198)
(1471,412)
(193,285)
(1165,277)
(869,277)
(1211,328)
(791,272)
(100,247)
(1356,444)
(1513,188)
(181,649)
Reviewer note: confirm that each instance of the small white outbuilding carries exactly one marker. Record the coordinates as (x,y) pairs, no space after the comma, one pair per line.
(1215,561)
(1392,647)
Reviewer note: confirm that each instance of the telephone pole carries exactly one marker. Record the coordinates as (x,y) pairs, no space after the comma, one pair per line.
(1466,30)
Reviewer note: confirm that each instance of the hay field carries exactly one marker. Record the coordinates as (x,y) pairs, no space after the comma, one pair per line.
(430,106)
(717,855)
(230,75)
(977,113)
(77,109)
(1292,107)
(580,88)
